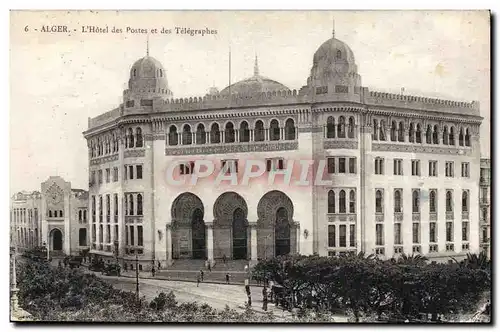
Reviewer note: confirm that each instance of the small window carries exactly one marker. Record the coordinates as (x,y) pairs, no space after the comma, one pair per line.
(331,165)
(352,165)
(449,169)
(432,168)
(138,169)
(339,54)
(341,165)
(465,170)
(131,172)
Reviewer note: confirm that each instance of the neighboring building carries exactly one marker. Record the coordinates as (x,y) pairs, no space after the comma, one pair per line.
(64,214)
(25,219)
(485,203)
(404,169)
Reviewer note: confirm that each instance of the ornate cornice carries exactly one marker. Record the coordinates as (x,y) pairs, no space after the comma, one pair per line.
(134,153)
(183,150)
(339,144)
(103,160)
(310,129)
(340,217)
(425,115)
(417,148)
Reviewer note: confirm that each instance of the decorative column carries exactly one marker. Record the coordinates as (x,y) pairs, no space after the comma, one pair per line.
(297,229)
(207,137)
(237,134)
(210,241)
(266,134)
(222,136)
(168,242)
(253,241)
(251,135)
(282,134)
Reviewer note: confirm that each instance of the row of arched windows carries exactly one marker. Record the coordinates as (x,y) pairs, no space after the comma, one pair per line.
(231,135)
(108,144)
(338,129)
(55,213)
(342,203)
(134,139)
(130,199)
(398,201)
(417,135)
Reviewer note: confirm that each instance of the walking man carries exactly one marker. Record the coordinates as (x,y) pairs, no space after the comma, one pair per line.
(227,278)
(201,275)
(153,271)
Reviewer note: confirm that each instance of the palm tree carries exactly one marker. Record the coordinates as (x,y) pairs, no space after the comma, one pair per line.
(412,259)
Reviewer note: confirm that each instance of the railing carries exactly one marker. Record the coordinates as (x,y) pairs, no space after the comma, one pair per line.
(398,216)
(450,247)
(379,217)
(342,217)
(415,216)
(433,216)
(449,215)
(433,248)
(465,246)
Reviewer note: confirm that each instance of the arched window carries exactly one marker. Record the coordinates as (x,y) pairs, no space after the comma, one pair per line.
(401,132)
(330,127)
(428,136)
(379,202)
(350,128)
(60,213)
(352,202)
(229,135)
(331,201)
(274,130)
(449,201)
(139,204)
(467,137)
(435,135)
(393,131)
(418,134)
(135,72)
(259,131)
(130,138)
(416,201)
(342,206)
(50,213)
(452,136)
(461,137)
(201,137)
(432,202)
(161,73)
(187,136)
(397,201)
(215,133)
(465,201)
(131,205)
(138,138)
(445,135)
(411,133)
(173,138)
(339,54)
(289,130)
(80,216)
(244,132)
(341,127)
(382,131)
(375,130)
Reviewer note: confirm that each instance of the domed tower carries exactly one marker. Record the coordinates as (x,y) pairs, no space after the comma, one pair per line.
(254,85)
(148,81)
(334,69)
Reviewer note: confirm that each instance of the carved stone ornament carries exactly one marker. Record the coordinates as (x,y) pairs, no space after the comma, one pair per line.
(182,150)
(54,194)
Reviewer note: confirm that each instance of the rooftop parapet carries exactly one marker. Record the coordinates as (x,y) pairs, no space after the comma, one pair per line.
(105,118)
(429,104)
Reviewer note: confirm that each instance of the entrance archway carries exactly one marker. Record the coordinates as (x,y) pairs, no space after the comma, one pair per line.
(57,240)
(276,231)
(188,227)
(230,226)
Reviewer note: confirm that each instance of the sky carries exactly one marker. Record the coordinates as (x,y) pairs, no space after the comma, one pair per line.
(59,80)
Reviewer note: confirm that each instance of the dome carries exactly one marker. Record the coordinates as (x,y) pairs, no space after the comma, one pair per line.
(148,75)
(254,85)
(333,52)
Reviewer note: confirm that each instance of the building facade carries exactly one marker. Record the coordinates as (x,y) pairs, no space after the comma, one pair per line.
(400,170)
(25,212)
(485,205)
(64,216)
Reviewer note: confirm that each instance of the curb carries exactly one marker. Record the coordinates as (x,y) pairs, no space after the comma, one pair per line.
(192,281)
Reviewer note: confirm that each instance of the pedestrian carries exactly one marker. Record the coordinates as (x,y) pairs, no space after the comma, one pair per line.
(224,259)
(227,278)
(153,271)
(59,264)
(249,300)
(209,266)
(159,266)
(264,298)
(125,267)
(201,275)
(198,281)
